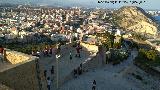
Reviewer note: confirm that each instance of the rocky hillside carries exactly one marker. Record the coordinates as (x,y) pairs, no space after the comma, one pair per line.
(135,19)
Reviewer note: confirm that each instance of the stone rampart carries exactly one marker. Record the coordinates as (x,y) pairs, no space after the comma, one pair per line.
(22,73)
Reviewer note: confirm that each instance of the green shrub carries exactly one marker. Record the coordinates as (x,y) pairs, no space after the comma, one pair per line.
(149,55)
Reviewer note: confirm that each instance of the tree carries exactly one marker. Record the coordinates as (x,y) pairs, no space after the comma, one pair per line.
(141,53)
(151,55)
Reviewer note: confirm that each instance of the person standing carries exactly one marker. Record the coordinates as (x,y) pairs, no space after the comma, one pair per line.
(50,51)
(48,83)
(45,73)
(59,47)
(94,85)
(78,70)
(81,68)
(70,55)
(75,73)
(78,51)
(52,72)
(132,56)
(32,53)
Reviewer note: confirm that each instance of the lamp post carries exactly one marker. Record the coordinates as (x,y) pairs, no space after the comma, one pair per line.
(57,57)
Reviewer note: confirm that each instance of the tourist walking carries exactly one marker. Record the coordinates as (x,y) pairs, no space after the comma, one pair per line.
(94,85)
(52,72)
(48,83)
(81,69)
(75,73)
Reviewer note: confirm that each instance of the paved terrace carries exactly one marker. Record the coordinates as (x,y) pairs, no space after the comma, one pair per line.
(66,66)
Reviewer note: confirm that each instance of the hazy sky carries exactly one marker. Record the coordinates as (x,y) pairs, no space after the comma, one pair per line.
(149,4)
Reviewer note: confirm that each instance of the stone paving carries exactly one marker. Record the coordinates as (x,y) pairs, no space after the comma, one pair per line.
(65,65)
(114,78)
(108,77)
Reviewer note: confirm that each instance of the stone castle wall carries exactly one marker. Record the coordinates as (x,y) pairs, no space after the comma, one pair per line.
(23,75)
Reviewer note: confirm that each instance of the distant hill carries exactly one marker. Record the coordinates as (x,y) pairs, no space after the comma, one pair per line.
(62,3)
(133,18)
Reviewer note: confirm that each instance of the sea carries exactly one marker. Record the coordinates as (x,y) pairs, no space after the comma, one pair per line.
(157,18)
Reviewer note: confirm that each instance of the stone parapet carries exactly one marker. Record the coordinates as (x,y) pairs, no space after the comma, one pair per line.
(89,47)
(15,57)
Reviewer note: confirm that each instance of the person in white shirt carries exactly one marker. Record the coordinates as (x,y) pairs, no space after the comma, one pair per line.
(94,85)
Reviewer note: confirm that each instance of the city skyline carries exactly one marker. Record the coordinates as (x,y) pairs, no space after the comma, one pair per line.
(72,47)
(148,4)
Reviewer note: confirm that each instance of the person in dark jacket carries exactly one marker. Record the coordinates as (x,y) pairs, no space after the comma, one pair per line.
(94,85)
(52,70)
(75,73)
(70,55)
(45,73)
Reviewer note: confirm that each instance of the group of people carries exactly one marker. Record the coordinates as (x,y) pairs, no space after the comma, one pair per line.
(49,79)
(78,71)
(78,48)
(45,52)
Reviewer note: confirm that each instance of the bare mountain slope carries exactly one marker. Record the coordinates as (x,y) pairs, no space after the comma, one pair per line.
(135,19)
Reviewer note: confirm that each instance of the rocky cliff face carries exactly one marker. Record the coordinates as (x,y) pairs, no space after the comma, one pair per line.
(135,19)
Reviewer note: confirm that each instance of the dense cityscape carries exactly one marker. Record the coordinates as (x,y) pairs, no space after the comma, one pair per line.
(77,48)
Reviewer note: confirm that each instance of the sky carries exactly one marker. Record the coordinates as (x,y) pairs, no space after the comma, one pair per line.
(149,4)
